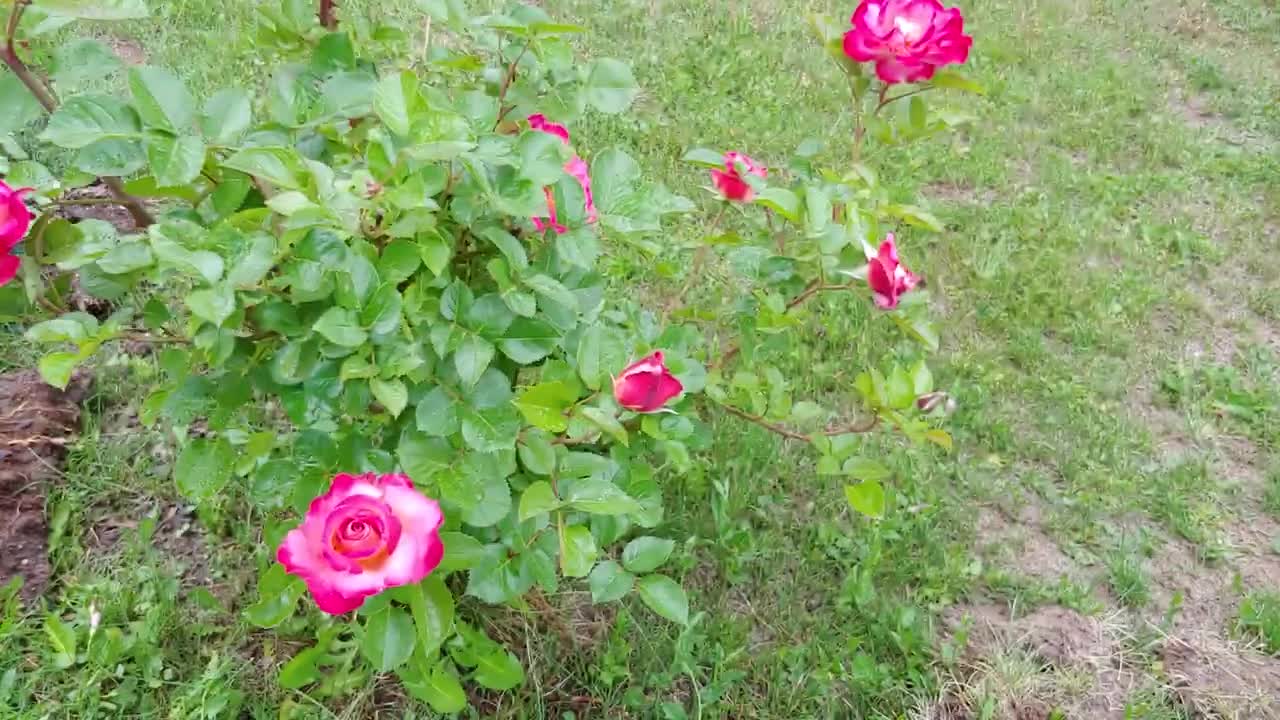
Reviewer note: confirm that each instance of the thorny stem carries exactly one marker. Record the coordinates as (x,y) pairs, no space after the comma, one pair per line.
(782,430)
(509,78)
(327,19)
(889,100)
(46,99)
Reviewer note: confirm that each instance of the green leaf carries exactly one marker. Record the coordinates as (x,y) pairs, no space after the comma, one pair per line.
(578,551)
(381,313)
(610,86)
(80,61)
(867,497)
(18,107)
(499,670)
(203,468)
(940,438)
(302,669)
(277,165)
(125,258)
(423,458)
(646,554)
(496,577)
(272,482)
(175,161)
(491,429)
(95,9)
(63,640)
(917,114)
(915,217)
(168,242)
(393,394)
(461,551)
(529,340)
(921,378)
(253,264)
(608,422)
(85,119)
(437,687)
(278,594)
(388,639)
(538,498)
(536,452)
(397,101)
(226,116)
(435,252)
(601,353)
(705,158)
(437,413)
(601,497)
(494,504)
(472,358)
(112,157)
(955,80)
(780,200)
(432,605)
(865,469)
(340,326)
(73,328)
(163,101)
(665,597)
(609,582)
(544,405)
(55,368)
(213,304)
(400,260)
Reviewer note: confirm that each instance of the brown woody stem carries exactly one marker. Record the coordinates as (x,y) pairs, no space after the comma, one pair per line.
(782,430)
(47,100)
(327,18)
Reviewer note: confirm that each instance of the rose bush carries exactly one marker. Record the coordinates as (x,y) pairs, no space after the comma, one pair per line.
(15,219)
(375,287)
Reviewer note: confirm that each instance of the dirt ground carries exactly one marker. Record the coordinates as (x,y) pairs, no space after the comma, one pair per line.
(36,424)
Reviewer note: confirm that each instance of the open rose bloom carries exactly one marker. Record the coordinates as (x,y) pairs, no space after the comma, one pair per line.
(576,168)
(907,39)
(886,275)
(730,181)
(646,385)
(15,219)
(368,533)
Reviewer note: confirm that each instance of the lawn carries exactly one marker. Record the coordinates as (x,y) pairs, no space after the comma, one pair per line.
(1104,542)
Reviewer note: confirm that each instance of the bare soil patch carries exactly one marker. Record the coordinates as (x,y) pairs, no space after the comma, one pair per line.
(35,426)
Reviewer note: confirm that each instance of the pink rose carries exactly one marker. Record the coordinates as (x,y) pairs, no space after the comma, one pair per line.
(729,181)
(907,39)
(646,385)
(368,533)
(14,221)
(576,168)
(887,277)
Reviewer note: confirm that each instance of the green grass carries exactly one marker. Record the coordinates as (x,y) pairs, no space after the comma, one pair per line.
(1108,262)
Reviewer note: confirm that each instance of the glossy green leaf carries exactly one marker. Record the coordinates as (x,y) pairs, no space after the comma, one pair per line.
(163,101)
(397,101)
(609,582)
(705,158)
(536,452)
(601,497)
(279,166)
(494,505)
(610,86)
(578,551)
(18,107)
(213,304)
(112,157)
(954,79)
(302,669)
(175,161)
(538,498)
(544,405)
(388,639)
(461,551)
(602,353)
(608,422)
(529,340)
(499,670)
(866,497)
(865,469)
(437,687)
(437,413)
(126,258)
(393,394)
(226,115)
(204,468)
(646,554)
(472,358)
(85,119)
(341,327)
(665,597)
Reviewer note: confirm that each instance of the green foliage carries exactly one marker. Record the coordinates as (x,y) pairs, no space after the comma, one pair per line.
(355,247)
(1260,617)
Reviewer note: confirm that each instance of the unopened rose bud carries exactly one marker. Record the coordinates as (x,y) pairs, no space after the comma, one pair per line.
(939,403)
